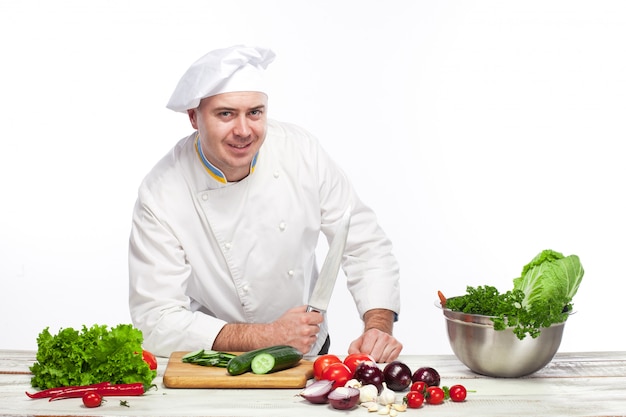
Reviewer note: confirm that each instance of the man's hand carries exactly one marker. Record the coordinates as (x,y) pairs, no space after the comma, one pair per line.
(377,339)
(296,327)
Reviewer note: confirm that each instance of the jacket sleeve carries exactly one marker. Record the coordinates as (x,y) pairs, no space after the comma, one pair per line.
(158,276)
(370,267)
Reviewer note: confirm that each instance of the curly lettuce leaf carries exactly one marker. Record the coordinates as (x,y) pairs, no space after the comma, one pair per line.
(89,356)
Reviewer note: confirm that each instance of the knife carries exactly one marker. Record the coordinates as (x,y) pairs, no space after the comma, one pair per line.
(328,274)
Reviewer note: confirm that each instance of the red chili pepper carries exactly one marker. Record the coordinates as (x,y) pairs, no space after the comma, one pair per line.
(50,392)
(118,390)
(121,390)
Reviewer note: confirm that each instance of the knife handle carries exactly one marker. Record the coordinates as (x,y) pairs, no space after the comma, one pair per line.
(311,308)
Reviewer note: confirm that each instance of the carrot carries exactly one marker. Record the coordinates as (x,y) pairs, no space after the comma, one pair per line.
(442,299)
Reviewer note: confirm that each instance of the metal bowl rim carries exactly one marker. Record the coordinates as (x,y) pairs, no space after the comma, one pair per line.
(483,320)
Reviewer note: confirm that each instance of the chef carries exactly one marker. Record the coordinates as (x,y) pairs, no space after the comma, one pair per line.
(226,225)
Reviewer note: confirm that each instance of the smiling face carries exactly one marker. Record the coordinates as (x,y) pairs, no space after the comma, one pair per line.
(232,128)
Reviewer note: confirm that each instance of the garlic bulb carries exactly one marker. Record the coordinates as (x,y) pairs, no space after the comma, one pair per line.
(368,393)
(386,396)
(353,383)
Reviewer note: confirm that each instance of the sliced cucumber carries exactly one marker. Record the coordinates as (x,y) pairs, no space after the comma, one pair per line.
(208,358)
(276,360)
(192,355)
(243,363)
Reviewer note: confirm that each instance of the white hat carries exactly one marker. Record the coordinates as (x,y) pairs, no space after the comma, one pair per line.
(238,68)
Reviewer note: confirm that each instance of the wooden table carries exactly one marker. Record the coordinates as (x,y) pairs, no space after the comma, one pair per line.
(573,384)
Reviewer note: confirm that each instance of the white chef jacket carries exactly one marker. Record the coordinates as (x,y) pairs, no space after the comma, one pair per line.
(203,253)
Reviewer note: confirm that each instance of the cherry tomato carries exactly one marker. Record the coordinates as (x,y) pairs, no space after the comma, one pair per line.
(92,399)
(337,372)
(414,399)
(458,393)
(354,359)
(321,363)
(434,395)
(150,359)
(419,386)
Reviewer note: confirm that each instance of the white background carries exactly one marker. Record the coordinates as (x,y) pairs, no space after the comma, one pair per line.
(481,132)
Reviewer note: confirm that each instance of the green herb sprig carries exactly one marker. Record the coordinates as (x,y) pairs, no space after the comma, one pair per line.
(506,310)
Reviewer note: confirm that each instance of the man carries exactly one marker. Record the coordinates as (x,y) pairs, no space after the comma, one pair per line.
(225,228)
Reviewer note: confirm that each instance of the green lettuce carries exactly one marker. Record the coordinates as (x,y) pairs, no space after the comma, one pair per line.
(89,356)
(550,279)
(540,297)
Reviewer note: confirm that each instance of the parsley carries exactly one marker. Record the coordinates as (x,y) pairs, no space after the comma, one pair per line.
(540,297)
(506,310)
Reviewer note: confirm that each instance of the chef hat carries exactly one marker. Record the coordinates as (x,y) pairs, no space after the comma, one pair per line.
(237,68)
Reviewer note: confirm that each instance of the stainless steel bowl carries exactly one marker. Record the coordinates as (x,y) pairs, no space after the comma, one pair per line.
(499,353)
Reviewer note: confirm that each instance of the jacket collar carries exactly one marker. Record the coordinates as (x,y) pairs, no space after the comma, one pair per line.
(214,171)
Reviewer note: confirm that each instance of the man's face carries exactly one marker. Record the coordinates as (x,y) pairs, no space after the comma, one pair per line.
(232,128)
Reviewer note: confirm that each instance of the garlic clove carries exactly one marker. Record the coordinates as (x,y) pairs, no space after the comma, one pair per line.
(384,410)
(353,383)
(370,405)
(399,407)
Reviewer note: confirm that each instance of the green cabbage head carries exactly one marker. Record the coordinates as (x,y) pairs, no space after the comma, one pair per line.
(550,281)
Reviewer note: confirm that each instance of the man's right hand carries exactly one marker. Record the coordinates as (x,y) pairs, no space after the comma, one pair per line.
(296,327)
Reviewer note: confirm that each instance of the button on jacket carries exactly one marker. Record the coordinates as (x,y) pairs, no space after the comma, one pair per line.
(203,253)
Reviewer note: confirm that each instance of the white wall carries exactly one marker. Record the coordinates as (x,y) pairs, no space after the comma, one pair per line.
(480,131)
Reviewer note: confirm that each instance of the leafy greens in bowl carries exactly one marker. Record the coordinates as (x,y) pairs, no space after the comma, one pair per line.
(540,297)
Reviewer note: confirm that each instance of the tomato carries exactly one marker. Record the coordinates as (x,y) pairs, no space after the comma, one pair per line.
(337,372)
(92,399)
(321,363)
(354,359)
(458,393)
(434,395)
(419,386)
(150,359)
(414,399)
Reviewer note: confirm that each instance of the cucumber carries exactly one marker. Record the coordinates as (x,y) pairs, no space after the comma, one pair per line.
(275,360)
(192,355)
(241,364)
(208,358)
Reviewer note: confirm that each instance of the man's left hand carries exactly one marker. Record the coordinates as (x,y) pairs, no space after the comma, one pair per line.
(377,339)
(381,346)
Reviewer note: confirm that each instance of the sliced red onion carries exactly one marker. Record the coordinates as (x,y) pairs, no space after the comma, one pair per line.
(344,398)
(317,392)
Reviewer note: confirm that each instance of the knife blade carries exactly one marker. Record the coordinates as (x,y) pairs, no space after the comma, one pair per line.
(320,296)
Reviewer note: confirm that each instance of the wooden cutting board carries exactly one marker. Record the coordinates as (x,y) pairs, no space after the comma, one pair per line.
(186,375)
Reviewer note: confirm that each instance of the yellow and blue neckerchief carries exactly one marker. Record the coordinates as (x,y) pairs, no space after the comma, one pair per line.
(214,171)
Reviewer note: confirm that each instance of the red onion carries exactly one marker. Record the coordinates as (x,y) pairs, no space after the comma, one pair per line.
(317,392)
(397,376)
(427,375)
(368,372)
(344,398)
